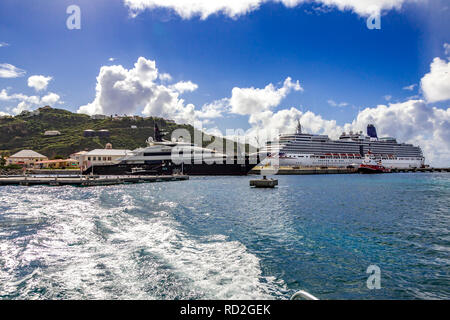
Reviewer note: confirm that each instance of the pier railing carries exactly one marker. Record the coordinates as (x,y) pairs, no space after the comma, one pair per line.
(86,180)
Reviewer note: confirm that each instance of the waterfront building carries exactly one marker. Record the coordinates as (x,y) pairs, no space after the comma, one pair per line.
(102,156)
(57,164)
(78,156)
(25,158)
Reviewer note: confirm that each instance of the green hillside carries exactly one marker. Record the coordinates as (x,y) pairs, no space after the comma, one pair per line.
(26,131)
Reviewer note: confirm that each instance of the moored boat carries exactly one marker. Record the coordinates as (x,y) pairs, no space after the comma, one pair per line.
(163,157)
(370,165)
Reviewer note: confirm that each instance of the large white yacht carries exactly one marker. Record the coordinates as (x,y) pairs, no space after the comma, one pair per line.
(167,157)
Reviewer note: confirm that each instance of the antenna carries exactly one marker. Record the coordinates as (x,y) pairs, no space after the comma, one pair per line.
(299,127)
(158,136)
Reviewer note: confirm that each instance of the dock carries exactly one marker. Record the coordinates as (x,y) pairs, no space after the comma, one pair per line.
(304,170)
(322,170)
(421,170)
(86,181)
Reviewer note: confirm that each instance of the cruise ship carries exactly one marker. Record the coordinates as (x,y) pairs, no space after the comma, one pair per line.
(169,157)
(312,150)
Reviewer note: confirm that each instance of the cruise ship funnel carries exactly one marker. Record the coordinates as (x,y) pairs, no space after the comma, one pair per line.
(372,131)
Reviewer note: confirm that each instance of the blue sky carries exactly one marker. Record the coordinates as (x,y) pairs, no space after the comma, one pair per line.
(331,52)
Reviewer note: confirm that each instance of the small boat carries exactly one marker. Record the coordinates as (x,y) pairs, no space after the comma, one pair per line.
(370,165)
(264,183)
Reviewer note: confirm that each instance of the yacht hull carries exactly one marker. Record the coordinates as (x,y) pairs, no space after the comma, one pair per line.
(160,168)
(123,169)
(217,169)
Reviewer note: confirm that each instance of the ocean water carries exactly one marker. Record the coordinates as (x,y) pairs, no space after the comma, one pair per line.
(216,238)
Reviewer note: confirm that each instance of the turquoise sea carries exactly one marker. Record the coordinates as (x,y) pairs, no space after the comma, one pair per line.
(216,238)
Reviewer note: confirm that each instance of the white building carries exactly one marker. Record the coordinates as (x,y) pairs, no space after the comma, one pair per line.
(78,156)
(102,156)
(25,158)
(52,133)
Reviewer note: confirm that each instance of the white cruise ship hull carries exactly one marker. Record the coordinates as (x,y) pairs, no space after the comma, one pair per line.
(308,160)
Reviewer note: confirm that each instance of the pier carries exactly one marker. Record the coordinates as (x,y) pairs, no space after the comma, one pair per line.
(86,181)
(304,170)
(421,170)
(322,170)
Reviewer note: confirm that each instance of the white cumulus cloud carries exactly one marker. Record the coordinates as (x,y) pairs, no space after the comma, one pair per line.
(233,8)
(119,90)
(184,86)
(436,84)
(50,99)
(128,91)
(9,71)
(22,106)
(214,109)
(410,87)
(336,104)
(165,77)
(39,82)
(253,100)
(362,7)
(28,102)
(5,96)
(202,8)
(286,120)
